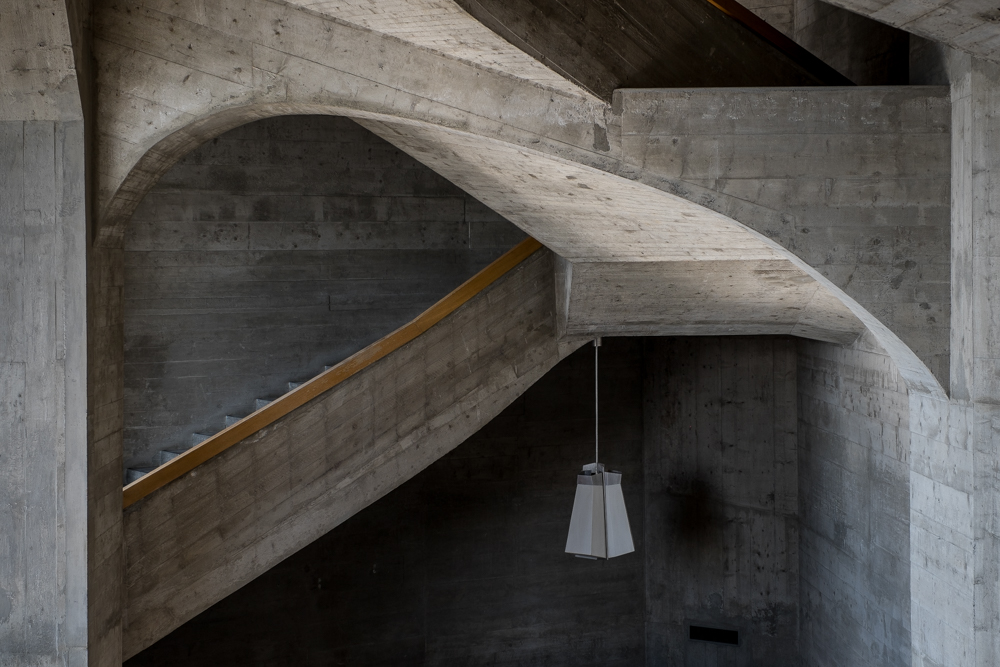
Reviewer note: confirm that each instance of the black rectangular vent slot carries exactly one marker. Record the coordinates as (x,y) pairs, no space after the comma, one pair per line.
(715,635)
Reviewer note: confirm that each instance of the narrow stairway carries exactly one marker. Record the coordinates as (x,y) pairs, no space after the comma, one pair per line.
(224,511)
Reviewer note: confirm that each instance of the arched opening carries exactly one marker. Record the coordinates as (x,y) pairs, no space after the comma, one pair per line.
(270,252)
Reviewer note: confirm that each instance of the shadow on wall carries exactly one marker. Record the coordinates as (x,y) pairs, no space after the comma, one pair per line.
(695,516)
(464,564)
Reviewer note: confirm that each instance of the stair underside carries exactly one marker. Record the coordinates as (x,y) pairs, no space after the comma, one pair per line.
(208,533)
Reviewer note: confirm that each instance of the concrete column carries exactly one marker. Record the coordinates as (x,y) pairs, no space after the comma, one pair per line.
(43,343)
(976,324)
(43,442)
(964,590)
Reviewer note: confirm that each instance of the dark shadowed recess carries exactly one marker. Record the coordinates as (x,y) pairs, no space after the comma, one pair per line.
(603,45)
(273,250)
(464,564)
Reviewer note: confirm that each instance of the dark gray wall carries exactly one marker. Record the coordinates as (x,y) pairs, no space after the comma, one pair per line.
(721,499)
(854,506)
(275,249)
(465,563)
(867,52)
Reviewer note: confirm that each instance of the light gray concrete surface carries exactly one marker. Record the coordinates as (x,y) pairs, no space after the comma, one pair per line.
(856,181)
(159,99)
(306,74)
(43,446)
(972,490)
(206,534)
(43,358)
(853,506)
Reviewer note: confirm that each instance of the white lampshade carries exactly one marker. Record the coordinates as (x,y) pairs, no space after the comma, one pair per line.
(599,525)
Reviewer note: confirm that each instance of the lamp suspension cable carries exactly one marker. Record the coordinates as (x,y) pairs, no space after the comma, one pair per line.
(597,458)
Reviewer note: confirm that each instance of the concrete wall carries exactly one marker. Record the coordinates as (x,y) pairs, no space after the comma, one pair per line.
(43,406)
(855,181)
(963,544)
(273,250)
(464,564)
(867,52)
(207,533)
(721,499)
(854,506)
(44,533)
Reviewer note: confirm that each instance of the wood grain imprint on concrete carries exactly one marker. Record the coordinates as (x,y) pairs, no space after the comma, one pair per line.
(354,364)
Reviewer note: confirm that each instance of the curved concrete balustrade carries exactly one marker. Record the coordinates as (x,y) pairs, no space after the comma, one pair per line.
(459,112)
(207,533)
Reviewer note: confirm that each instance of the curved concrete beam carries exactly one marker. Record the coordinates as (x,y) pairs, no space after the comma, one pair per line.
(443,27)
(172,77)
(612,219)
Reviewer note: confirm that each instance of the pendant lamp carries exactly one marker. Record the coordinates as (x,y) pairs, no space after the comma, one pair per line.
(599,525)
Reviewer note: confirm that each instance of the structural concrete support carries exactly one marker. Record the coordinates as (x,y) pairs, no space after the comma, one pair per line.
(202,536)
(976,328)
(43,397)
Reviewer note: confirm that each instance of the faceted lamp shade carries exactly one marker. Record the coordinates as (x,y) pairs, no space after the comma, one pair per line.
(599,525)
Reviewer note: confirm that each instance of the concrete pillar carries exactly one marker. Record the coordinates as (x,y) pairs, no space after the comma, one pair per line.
(43,353)
(975,376)
(43,441)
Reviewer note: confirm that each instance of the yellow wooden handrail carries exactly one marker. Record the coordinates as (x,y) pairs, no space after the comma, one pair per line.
(299,396)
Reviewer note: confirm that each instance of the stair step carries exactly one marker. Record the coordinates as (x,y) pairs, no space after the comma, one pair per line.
(165,455)
(326,368)
(230,420)
(293,385)
(259,403)
(133,474)
(198,438)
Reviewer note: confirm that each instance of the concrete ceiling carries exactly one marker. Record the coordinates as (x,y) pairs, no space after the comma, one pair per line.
(444,27)
(159,100)
(639,261)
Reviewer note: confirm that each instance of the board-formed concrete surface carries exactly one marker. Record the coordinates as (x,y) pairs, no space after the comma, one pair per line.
(857,181)
(464,563)
(158,99)
(45,546)
(546,121)
(272,251)
(405,580)
(201,537)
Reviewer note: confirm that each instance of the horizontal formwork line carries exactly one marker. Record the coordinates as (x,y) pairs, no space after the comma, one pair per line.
(351,366)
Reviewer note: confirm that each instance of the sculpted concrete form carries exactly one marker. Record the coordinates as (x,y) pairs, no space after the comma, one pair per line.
(204,535)
(297,63)
(175,74)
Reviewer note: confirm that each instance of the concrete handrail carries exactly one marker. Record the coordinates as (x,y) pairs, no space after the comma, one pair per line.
(354,364)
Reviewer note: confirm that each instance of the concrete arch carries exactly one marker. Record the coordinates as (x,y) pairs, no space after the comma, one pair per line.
(593,220)
(158,101)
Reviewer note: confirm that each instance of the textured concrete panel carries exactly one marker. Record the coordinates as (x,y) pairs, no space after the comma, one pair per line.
(274,250)
(854,506)
(857,180)
(43,401)
(463,564)
(203,536)
(722,542)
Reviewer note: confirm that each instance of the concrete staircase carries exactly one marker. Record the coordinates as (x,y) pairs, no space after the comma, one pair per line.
(204,534)
(164,455)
